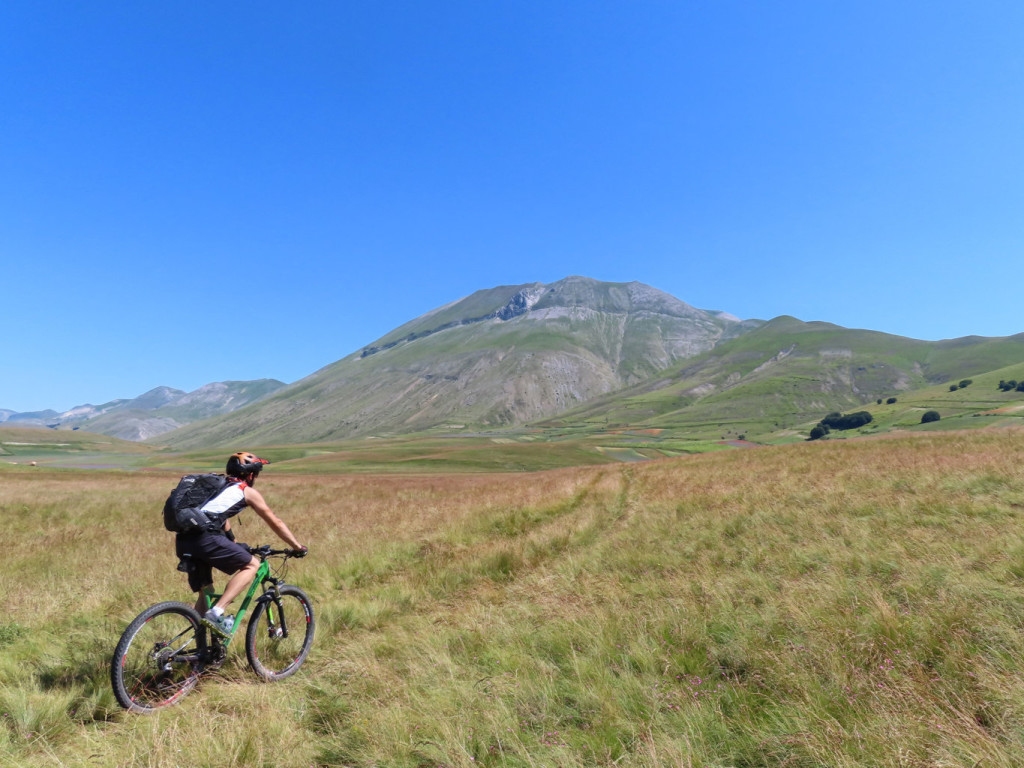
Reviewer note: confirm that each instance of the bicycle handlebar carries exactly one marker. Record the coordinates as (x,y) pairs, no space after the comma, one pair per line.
(265,551)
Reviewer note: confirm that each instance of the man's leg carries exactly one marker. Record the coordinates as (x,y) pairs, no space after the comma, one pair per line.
(238,583)
(201,605)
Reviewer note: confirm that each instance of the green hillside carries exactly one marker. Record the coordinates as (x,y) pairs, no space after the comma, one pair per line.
(980,404)
(775,382)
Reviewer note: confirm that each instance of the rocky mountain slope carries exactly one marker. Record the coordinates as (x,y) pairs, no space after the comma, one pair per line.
(153,413)
(501,356)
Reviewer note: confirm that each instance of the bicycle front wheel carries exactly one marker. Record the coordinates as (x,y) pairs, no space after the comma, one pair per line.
(159,658)
(280,633)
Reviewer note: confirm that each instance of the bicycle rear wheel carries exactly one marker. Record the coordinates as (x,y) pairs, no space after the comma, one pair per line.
(280,634)
(159,658)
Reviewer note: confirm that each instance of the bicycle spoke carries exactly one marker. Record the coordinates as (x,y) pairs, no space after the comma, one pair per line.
(280,634)
(158,658)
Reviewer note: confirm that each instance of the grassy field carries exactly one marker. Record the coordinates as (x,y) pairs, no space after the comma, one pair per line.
(842,603)
(58,448)
(412,455)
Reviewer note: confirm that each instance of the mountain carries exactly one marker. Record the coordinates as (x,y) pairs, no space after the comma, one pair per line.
(152,413)
(580,357)
(499,357)
(27,419)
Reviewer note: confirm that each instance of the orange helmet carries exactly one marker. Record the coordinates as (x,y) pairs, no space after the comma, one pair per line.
(243,464)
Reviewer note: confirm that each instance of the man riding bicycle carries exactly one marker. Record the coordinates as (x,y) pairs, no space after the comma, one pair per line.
(204,550)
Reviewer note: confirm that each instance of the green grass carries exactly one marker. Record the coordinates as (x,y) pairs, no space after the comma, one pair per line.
(844,603)
(19,447)
(412,455)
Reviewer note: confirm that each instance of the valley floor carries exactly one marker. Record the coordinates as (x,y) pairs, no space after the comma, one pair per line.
(843,603)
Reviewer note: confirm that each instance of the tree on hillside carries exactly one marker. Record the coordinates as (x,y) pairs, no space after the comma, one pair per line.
(890,401)
(928,416)
(964,383)
(847,421)
(954,387)
(1020,387)
(818,432)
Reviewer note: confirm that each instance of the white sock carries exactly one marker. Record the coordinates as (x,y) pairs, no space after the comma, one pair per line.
(217,611)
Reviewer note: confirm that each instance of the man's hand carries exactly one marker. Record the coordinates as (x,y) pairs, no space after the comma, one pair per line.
(301,552)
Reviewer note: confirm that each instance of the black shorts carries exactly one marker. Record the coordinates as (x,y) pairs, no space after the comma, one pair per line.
(208,551)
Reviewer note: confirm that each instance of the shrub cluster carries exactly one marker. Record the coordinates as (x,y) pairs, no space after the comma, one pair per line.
(1012,384)
(930,416)
(847,420)
(962,384)
(836,420)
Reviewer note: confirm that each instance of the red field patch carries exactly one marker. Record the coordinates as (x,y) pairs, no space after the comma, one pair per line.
(997,411)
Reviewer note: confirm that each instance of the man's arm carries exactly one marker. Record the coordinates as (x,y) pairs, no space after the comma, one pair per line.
(255,500)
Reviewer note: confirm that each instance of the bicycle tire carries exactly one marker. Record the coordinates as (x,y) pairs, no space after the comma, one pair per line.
(280,634)
(158,659)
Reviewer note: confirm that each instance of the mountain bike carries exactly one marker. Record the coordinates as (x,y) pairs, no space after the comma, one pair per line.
(166,648)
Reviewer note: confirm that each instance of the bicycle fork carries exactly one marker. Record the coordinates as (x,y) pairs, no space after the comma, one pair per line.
(277,626)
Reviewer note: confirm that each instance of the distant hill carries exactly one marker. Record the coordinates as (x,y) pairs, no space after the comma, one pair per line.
(494,359)
(152,413)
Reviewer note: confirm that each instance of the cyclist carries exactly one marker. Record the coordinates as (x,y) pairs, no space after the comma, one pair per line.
(205,550)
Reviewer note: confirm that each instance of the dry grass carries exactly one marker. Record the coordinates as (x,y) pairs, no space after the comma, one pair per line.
(848,604)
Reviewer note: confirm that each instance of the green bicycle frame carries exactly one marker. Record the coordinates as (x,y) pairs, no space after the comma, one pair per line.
(262,575)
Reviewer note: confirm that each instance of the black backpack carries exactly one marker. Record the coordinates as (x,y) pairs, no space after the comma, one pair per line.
(183,508)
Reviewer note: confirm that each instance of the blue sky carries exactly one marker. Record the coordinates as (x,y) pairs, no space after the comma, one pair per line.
(200,192)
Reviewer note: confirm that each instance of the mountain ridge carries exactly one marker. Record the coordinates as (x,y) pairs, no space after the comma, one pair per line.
(497,357)
(154,412)
(578,355)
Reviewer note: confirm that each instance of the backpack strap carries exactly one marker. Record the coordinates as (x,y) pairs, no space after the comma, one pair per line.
(228,503)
